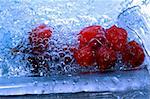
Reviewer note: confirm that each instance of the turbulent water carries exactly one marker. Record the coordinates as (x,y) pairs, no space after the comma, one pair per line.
(67,18)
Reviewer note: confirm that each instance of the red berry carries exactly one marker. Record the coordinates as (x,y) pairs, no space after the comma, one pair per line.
(40,32)
(117,37)
(85,56)
(89,33)
(39,38)
(133,54)
(105,58)
(97,41)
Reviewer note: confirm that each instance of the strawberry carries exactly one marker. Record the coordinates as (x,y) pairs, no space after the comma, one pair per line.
(117,37)
(39,37)
(105,58)
(133,54)
(89,33)
(85,56)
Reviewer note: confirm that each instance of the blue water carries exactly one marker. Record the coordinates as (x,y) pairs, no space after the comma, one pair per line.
(67,18)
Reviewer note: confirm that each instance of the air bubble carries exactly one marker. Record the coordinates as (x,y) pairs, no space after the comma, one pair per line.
(40,40)
(67,59)
(45,41)
(64,82)
(61,54)
(42,91)
(55,57)
(35,83)
(59,67)
(115,80)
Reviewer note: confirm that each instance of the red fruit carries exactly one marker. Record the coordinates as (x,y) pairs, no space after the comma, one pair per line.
(39,38)
(105,58)
(97,41)
(117,37)
(89,33)
(133,54)
(40,32)
(85,56)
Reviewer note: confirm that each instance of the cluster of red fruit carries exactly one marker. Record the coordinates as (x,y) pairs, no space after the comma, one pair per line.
(98,46)
(102,46)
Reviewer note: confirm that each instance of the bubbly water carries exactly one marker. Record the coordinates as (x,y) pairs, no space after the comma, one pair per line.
(67,18)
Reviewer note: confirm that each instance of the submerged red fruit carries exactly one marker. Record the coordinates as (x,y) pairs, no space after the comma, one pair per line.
(133,54)
(98,41)
(85,56)
(89,33)
(102,48)
(39,33)
(117,37)
(105,58)
(39,38)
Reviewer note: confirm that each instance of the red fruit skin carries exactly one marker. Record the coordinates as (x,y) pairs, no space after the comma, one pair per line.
(89,33)
(85,56)
(38,39)
(133,54)
(117,37)
(105,58)
(98,41)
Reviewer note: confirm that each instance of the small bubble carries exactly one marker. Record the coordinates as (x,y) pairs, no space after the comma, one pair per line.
(67,59)
(68,52)
(115,80)
(73,83)
(41,74)
(69,75)
(86,83)
(35,83)
(45,41)
(53,79)
(34,39)
(42,91)
(39,40)
(76,80)
(65,47)
(129,80)
(62,64)
(59,68)
(96,80)
(45,84)
(55,57)
(61,54)
(64,82)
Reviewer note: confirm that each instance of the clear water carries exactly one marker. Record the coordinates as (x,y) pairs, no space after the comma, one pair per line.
(67,18)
